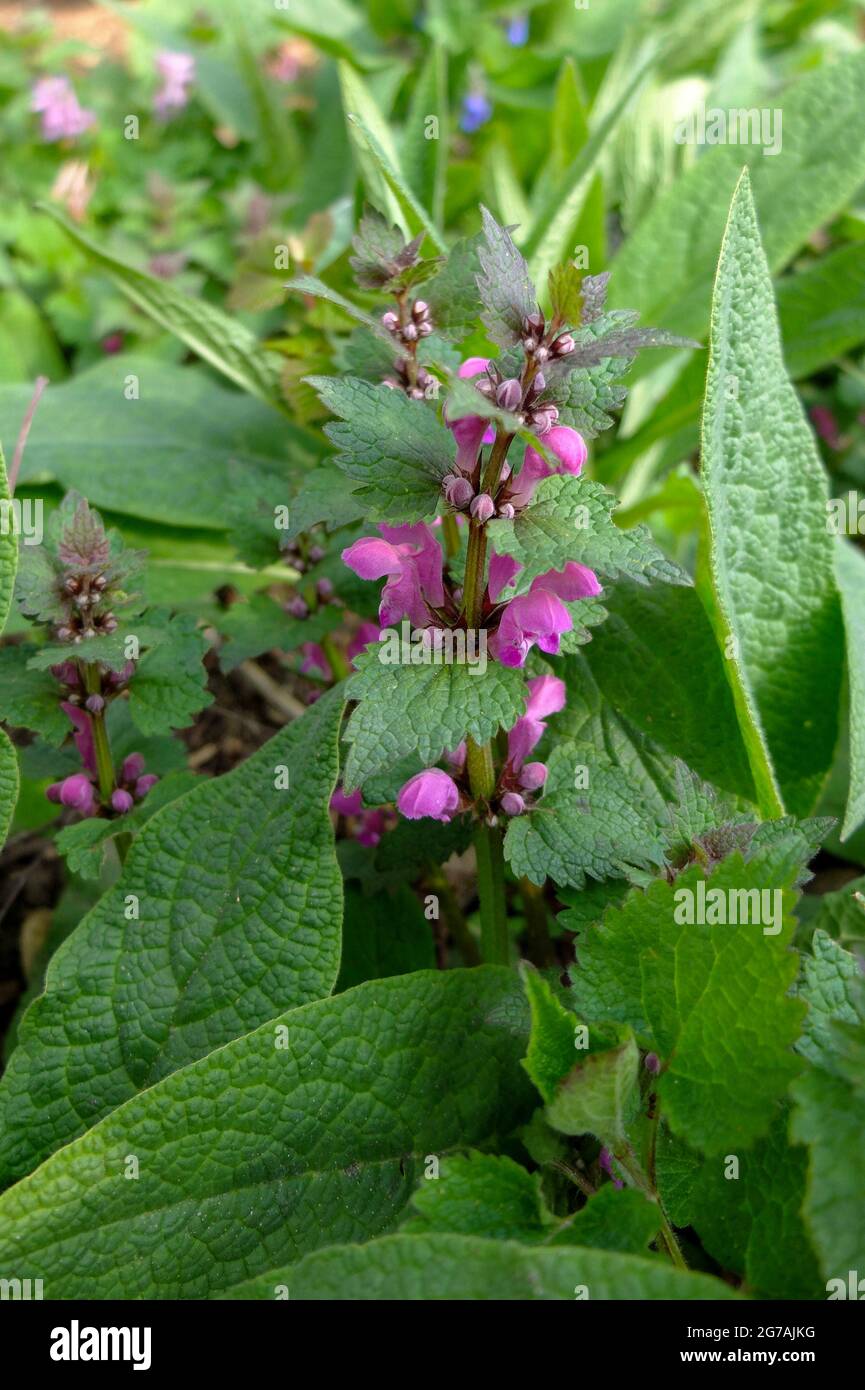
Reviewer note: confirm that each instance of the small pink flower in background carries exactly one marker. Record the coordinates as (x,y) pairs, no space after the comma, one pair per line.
(546,696)
(177,71)
(569,448)
(369,825)
(290,60)
(605,1159)
(83,736)
(346,804)
(112,343)
(410,558)
(314,661)
(431,793)
(826,425)
(62,116)
(366,636)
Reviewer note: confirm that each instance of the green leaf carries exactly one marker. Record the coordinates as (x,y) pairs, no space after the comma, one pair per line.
(383,936)
(453,296)
(83,843)
(507,294)
(262,625)
(822,310)
(549,237)
(623,1220)
(424,159)
(397,448)
(552,1039)
(239,903)
(31,699)
(480,1195)
(599,1095)
(359,102)
(218,338)
(309,1131)
(601,832)
(168,687)
(712,1000)
(749,1218)
(829,1116)
(177,440)
(309,284)
(571,519)
(850,571)
(832,987)
(657,662)
(665,268)
(424,709)
(775,588)
(840,914)
(404,1267)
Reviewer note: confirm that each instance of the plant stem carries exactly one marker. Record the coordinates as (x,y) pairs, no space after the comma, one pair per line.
(101,746)
(337,662)
(495,945)
(454,918)
(538,943)
(451,534)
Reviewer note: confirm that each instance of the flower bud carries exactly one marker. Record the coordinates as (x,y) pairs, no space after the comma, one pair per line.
(533,775)
(457,490)
(506,511)
(410,332)
(424,329)
(95,704)
(564,345)
(132,768)
(390,320)
(513,804)
(420,309)
(316,553)
(652,1063)
(324,587)
(483,507)
(297,607)
(121,801)
(143,785)
(509,394)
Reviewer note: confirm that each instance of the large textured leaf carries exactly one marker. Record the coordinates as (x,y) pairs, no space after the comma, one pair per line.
(221,340)
(665,269)
(771,555)
(397,448)
(424,709)
(177,441)
(239,902)
(712,1000)
(851,581)
(405,1267)
(822,310)
(657,662)
(309,1131)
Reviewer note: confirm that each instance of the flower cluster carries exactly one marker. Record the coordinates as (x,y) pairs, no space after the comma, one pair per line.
(63,118)
(177,72)
(441,795)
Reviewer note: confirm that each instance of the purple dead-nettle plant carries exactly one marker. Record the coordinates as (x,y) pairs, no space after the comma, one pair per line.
(492,545)
(80,587)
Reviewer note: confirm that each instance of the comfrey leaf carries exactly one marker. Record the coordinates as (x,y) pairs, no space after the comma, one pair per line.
(395,447)
(507,294)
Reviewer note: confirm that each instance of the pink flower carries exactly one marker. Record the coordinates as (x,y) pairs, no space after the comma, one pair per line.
(75,791)
(503,568)
(826,425)
(411,558)
(132,768)
(143,785)
(314,659)
(83,735)
(345,804)
(533,776)
(431,793)
(177,71)
(569,448)
(371,828)
(546,696)
(56,102)
(471,431)
(540,617)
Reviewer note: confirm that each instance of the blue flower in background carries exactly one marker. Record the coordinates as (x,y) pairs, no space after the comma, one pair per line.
(476,112)
(518,31)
